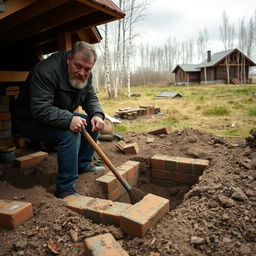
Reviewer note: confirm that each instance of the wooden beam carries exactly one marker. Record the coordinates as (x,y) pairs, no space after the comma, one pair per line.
(104,8)
(25,10)
(64,41)
(12,6)
(53,18)
(13,76)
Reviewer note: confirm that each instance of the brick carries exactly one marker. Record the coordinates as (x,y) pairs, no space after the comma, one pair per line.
(6,142)
(174,176)
(157,161)
(115,194)
(4,108)
(77,203)
(20,142)
(103,245)
(7,124)
(171,163)
(98,210)
(138,219)
(30,160)
(199,166)
(5,116)
(111,215)
(131,148)
(121,171)
(5,134)
(185,165)
(165,130)
(108,183)
(14,213)
(4,100)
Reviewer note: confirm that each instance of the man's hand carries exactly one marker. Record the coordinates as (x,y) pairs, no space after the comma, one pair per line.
(77,124)
(97,123)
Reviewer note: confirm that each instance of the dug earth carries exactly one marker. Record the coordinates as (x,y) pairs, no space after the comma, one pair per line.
(215,216)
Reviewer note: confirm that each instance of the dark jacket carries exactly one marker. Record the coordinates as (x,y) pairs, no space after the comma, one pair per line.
(50,98)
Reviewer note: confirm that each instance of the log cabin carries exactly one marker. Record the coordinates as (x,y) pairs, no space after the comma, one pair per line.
(230,66)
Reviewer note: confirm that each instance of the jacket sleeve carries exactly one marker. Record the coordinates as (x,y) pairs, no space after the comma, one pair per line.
(91,103)
(42,91)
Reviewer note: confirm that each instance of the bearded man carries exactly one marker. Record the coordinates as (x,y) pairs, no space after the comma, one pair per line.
(44,112)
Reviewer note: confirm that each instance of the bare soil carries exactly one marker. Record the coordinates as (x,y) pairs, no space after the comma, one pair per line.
(216,216)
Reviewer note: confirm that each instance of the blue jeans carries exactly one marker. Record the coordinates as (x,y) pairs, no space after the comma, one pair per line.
(73,151)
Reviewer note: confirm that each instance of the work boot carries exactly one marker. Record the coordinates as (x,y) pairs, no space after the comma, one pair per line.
(66,193)
(92,168)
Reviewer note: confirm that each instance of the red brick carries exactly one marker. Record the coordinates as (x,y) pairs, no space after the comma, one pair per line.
(30,160)
(112,214)
(98,210)
(131,148)
(103,245)
(157,161)
(185,165)
(174,176)
(115,194)
(199,166)
(77,203)
(137,220)
(108,183)
(121,171)
(171,163)
(5,116)
(13,213)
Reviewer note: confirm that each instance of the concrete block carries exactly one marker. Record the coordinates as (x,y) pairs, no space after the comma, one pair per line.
(14,213)
(103,245)
(138,219)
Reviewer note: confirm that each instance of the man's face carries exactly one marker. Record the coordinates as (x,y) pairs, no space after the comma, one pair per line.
(79,69)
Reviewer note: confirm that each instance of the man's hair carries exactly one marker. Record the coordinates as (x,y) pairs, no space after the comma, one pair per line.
(85,48)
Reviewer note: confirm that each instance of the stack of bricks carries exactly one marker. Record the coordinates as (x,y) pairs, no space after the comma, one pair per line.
(6,139)
(112,187)
(134,220)
(133,113)
(166,169)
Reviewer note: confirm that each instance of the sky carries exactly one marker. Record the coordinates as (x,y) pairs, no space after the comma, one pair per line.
(183,19)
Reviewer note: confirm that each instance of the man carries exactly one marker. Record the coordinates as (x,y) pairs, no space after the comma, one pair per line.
(44,111)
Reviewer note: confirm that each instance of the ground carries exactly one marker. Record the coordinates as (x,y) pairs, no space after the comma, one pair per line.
(216,216)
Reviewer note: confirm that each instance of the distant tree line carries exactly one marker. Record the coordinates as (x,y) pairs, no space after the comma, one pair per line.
(121,65)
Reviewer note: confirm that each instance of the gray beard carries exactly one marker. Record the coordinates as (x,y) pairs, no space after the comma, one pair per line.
(78,85)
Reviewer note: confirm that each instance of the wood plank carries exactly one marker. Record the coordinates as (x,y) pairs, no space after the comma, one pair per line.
(13,76)
(12,6)
(26,11)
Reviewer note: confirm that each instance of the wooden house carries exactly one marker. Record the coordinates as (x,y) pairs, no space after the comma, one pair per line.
(230,66)
(30,29)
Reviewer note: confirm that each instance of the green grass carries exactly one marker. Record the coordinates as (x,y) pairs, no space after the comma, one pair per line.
(216,111)
(252,112)
(212,108)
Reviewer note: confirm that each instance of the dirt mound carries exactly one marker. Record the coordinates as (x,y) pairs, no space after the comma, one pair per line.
(214,217)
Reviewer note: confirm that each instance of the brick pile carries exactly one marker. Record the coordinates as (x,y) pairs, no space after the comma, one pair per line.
(133,113)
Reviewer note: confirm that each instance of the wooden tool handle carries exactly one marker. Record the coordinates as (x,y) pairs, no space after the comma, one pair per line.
(106,160)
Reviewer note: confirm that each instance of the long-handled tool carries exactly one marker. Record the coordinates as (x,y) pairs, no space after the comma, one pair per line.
(135,194)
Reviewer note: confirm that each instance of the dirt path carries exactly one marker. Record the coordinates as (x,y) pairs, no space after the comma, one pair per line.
(214,217)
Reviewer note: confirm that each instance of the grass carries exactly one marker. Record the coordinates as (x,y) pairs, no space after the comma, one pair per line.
(224,110)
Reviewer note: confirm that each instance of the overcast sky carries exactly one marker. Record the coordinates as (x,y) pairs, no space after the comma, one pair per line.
(182,19)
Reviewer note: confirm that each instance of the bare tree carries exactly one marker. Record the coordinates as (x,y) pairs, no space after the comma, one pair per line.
(227,32)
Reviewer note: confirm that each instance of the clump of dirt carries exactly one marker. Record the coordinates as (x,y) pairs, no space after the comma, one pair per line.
(216,216)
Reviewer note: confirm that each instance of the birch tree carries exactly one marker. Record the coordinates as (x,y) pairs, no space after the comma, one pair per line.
(227,32)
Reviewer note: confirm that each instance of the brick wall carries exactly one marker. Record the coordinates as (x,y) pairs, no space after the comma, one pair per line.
(166,169)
